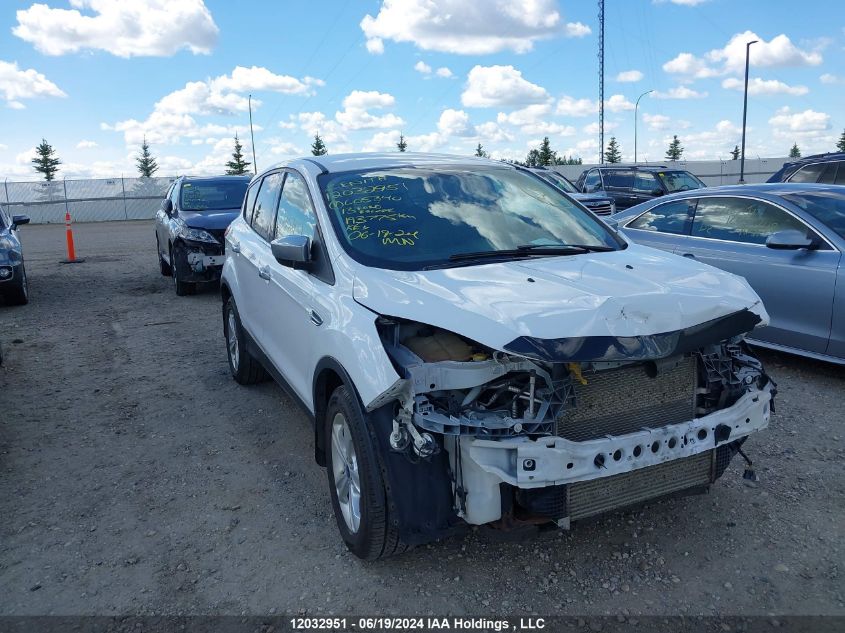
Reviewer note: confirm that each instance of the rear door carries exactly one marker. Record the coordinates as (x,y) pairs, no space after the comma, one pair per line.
(618,183)
(796,286)
(663,225)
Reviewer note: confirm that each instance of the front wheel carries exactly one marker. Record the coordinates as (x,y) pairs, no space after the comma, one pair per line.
(163,265)
(18,292)
(356,483)
(182,288)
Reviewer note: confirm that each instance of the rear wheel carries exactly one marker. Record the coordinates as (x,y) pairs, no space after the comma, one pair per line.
(177,255)
(17,294)
(245,369)
(356,483)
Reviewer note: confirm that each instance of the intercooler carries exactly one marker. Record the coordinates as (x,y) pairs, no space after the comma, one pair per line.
(626,399)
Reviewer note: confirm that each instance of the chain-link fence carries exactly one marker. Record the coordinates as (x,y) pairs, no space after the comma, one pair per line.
(92,200)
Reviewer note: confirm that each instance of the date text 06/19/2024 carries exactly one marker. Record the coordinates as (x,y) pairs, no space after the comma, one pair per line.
(416,624)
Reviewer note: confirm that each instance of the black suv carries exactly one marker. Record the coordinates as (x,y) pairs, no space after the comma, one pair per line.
(190,225)
(828,169)
(633,184)
(13,286)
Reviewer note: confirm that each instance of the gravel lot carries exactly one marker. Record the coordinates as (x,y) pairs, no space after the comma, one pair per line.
(137,478)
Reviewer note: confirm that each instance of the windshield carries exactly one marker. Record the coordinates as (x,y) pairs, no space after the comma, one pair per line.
(212,196)
(827,206)
(408,218)
(679,181)
(559,181)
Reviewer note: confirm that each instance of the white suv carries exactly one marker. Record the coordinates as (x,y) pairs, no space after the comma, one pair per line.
(475,347)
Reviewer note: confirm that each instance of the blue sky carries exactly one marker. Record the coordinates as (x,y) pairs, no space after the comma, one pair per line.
(95,76)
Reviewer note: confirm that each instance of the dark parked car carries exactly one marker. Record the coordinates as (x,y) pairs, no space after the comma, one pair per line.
(633,185)
(599,202)
(13,286)
(190,225)
(786,239)
(825,169)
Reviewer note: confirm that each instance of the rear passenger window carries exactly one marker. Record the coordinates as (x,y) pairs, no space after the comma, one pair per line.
(673,217)
(249,201)
(741,220)
(828,176)
(296,215)
(264,214)
(810,173)
(645,182)
(619,179)
(840,174)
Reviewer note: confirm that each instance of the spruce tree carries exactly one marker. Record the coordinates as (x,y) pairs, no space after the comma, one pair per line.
(401,145)
(318,147)
(546,155)
(840,144)
(45,161)
(612,154)
(735,153)
(533,158)
(675,150)
(794,151)
(147,164)
(237,166)
(480,152)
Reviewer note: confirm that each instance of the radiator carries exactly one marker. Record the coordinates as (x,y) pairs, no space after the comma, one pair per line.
(588,498)
(623,400)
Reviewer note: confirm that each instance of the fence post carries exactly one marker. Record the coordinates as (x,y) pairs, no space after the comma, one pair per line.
(123,186)
(64,184)
(6,187)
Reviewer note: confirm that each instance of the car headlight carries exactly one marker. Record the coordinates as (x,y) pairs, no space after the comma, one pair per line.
(6,243)
(195,235)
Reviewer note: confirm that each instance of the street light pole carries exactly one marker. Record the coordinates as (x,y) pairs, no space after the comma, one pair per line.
(637,105)
(744,113)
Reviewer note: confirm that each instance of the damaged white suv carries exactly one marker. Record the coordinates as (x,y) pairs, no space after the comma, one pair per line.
(475,347)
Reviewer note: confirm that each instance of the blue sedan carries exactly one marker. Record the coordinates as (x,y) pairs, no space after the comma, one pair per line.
(13,286)
(786,239)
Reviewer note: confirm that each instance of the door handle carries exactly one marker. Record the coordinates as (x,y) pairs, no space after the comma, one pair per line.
(264,273)
(236,247)
(689,255)
(316,319)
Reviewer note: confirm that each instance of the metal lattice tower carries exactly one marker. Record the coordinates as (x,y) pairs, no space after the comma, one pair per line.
(601,81)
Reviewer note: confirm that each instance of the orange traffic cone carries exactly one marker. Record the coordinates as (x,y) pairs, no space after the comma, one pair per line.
(71,251)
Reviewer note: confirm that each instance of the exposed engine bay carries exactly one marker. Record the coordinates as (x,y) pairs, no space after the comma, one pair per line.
(544,441)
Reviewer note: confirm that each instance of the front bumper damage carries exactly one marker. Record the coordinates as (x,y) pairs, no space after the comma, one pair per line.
(199,261)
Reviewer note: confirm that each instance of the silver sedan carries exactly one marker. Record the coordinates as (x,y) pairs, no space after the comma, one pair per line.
(786,239)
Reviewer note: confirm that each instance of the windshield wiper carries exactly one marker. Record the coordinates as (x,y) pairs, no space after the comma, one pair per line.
(500,254)
(564,249)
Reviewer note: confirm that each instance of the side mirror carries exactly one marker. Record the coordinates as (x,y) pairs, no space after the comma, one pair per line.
(291,250)
(790,240)
(17,220)
(167,206)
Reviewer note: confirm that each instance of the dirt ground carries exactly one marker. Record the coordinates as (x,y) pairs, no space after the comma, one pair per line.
(136,477)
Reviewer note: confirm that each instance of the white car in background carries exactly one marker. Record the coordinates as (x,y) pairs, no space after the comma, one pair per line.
(475,348)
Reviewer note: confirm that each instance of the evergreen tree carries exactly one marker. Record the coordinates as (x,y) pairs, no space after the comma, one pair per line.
(612,154)
(533,158)
(237,166)
(546,155)
(45,161)
(147,164)
(840,144)
(481,152)
(735,153)
(402,145)
(318,147)
(675,150)
(794,151)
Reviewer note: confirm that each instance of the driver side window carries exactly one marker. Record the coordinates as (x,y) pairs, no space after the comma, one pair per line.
(592,182)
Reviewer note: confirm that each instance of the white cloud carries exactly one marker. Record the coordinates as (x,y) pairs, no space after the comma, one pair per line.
(444,72)
(778,52)
(86,144)
(684,3)
(757,86)
(618,103)
(469,28)
(593,128)
(157,28)
(681,92)
(627,76)
(807,121)
(422,67)
(657,121)
(455,123)
(317,123)
(828,78)
(567,106)
(356,115)
(528,115)
(492,86)
(17,84)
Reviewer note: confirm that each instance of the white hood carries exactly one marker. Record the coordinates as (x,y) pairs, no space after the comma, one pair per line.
(638,291)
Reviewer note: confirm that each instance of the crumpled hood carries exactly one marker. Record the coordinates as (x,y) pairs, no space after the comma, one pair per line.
(638,291)
(209,219)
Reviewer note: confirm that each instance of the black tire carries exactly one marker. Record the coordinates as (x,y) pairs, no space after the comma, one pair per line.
(17,294)
(163,265)
(183,288)
(245,369)
(376,536)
